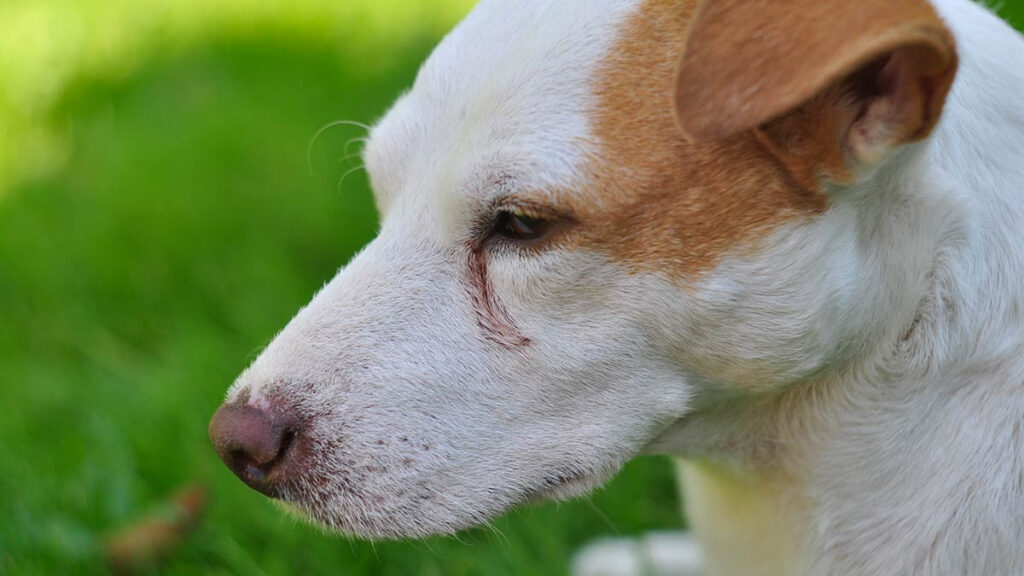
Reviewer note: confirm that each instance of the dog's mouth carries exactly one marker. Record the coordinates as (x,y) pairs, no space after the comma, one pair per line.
(383,486)
(341,507)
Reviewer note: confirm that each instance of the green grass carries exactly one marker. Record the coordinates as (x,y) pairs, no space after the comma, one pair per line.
(158,224)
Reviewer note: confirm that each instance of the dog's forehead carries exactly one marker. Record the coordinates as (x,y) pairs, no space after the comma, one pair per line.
(574,99)
(508,93)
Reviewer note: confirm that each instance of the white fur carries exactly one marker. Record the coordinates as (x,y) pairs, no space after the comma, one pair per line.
(851,395)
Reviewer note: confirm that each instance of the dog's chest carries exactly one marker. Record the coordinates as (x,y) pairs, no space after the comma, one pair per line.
(743,525)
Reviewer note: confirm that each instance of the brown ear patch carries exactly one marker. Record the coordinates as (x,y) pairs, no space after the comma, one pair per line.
(655,201)
(748,62)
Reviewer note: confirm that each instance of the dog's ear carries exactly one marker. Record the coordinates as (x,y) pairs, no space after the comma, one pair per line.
(865,76)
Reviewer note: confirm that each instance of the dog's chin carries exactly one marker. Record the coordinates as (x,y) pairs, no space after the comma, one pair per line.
(352,522)
(348,524)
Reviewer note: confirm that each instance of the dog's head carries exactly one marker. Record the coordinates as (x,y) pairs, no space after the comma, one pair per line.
(593,212)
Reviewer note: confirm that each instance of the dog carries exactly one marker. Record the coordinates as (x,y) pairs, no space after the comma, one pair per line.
(782,242)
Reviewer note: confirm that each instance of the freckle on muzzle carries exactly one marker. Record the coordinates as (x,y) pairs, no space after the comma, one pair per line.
(259,446)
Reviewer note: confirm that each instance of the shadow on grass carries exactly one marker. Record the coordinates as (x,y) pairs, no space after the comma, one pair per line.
(137,281)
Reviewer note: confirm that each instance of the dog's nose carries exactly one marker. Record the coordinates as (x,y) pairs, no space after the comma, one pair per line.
(254,444)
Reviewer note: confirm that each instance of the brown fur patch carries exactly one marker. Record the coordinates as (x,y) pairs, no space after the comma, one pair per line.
(748,62)
(656,201)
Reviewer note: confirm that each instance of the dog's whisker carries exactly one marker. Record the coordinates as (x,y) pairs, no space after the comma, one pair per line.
(357,140)
(322,130)
(503,540)
(341,181)
(461,539)
(348,157)
(430,548)
(600,514)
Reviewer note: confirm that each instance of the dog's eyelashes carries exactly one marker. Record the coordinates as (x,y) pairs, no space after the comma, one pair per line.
(518,225)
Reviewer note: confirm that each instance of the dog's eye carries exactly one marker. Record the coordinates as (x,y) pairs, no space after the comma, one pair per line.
(517,225)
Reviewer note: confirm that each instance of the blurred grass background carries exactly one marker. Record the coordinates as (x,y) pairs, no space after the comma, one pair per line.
(158,224)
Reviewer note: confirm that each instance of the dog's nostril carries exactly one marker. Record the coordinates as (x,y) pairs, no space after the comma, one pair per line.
(253,471)
(254,444)
(286,442)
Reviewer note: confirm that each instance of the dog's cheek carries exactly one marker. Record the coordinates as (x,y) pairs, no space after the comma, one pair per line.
(765,318)
(592,325)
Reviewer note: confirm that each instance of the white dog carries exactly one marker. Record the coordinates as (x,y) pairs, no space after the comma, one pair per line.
(780,240)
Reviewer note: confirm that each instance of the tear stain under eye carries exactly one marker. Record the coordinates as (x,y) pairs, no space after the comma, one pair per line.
(491,315)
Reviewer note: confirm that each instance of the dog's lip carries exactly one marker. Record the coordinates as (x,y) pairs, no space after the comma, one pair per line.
(301,504)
